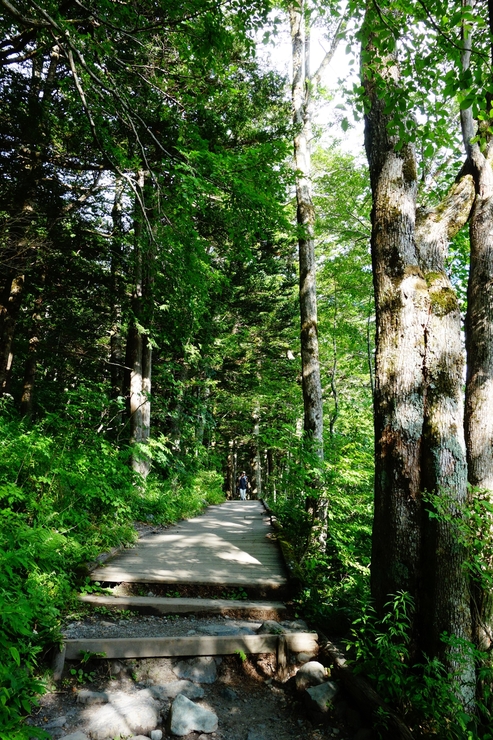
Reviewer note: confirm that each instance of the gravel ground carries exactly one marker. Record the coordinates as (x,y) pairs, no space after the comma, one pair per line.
(166,626)
(249,703)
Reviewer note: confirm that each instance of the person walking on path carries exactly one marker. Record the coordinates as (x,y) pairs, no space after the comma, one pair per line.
(243,485)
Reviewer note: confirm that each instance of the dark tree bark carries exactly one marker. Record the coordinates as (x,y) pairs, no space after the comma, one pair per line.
(29,382)
(22,241)
(9,310)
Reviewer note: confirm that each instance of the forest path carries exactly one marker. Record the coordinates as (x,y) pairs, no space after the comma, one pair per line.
(230,545)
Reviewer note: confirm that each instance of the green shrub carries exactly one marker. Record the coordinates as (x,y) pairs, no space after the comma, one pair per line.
(425,694)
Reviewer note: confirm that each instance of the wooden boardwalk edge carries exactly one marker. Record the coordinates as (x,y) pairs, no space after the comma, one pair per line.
(174,605)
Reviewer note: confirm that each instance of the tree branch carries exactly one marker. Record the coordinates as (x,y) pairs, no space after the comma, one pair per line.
(316,77)
(23,20)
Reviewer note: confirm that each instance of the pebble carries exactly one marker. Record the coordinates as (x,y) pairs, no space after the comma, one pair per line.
(91,697)
(58,722)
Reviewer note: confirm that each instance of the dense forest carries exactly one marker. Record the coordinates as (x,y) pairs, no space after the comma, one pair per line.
(198,278)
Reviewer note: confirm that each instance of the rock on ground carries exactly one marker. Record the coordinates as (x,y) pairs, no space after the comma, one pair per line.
(310,674)
(200,670)
(319,697)
(173,688)
(185,717)
(124,715)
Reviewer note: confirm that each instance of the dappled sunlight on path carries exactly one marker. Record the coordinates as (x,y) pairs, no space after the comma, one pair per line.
(228,545)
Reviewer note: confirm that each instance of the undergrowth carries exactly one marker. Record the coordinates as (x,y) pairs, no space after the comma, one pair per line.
(65,498)
(333,577)
(425,692)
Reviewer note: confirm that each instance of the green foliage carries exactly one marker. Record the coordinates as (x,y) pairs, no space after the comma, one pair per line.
(333,581)
(65,496)
(425,693)
(180,496)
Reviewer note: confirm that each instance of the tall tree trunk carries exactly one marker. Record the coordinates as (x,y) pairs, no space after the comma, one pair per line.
(302,115)
(257,489)
(419,443)
(22,242)
(139,350)
(445,590)
(29,382)
(117,373)
(203,399)
(401,304)
(9,311)
(479,333)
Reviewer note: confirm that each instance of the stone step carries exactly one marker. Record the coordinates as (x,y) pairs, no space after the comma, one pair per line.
(261,610)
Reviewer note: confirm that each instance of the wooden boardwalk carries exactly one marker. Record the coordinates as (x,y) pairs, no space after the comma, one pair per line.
(230,545)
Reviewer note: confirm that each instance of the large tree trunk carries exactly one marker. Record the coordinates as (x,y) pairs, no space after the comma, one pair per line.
(257,487)
(479,333)
(418,404)
(479,381)
(9,311)
(445,591)
(116,360)
(401,302)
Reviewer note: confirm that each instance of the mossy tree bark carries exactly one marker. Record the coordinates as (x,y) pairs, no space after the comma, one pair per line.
(419,442)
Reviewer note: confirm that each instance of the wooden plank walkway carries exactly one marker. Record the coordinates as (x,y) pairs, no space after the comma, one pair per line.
(229,545)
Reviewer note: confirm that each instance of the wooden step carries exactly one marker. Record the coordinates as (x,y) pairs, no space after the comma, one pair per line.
(163,605)
(195,645)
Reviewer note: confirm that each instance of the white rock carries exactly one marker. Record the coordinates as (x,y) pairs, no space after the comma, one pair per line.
(124,715)
(185,717)
(310,674)
(156,735)
(75,736)
(200,670)
(305,657)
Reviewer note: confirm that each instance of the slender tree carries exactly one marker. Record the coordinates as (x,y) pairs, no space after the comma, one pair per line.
(304,87)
